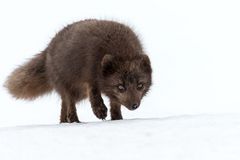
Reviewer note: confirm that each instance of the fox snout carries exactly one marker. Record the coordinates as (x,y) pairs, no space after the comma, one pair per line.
(133,105)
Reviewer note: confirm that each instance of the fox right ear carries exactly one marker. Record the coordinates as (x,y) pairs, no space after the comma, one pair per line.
(146,64)
(107,64)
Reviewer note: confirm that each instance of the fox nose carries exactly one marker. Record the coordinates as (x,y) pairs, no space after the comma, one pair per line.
(135,106)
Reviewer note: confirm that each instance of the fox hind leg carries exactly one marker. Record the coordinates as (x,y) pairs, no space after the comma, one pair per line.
(69,99)
(63,117)
(72,113)
(68,110)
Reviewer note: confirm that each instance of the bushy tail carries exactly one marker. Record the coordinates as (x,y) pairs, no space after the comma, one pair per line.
(29,80)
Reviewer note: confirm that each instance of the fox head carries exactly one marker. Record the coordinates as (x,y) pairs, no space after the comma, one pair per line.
(126,81)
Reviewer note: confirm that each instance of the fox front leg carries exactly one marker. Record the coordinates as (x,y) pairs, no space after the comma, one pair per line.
(115,110)
(97,104)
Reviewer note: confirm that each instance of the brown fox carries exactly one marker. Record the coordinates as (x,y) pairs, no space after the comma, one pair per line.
(83,60)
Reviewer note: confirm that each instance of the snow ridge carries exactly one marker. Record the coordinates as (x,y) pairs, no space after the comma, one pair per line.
(171,138)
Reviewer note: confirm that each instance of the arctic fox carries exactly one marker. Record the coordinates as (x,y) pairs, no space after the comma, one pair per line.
(83,60)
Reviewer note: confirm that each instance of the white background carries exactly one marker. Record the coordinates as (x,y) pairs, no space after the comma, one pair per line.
(194,47)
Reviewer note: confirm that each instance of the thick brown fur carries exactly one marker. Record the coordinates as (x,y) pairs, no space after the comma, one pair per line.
(83,60)
(29,80)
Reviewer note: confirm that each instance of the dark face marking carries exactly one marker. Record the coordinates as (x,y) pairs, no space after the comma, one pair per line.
(128,83)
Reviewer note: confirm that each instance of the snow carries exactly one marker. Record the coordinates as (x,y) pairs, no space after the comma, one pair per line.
(199,137)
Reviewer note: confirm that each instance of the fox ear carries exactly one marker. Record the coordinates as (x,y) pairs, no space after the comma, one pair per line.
(145,64)
(107,65)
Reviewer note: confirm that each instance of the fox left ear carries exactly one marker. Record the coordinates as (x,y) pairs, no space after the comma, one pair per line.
(107,65)
(145,64)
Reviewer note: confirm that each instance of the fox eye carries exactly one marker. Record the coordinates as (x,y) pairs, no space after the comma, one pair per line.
(121,88)
(140,86)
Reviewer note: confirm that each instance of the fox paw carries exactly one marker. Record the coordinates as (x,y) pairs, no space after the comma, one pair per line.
(100,111)
(116,117)
(72,117)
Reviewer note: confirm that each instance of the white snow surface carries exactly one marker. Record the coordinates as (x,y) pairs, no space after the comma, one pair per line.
(199,137)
